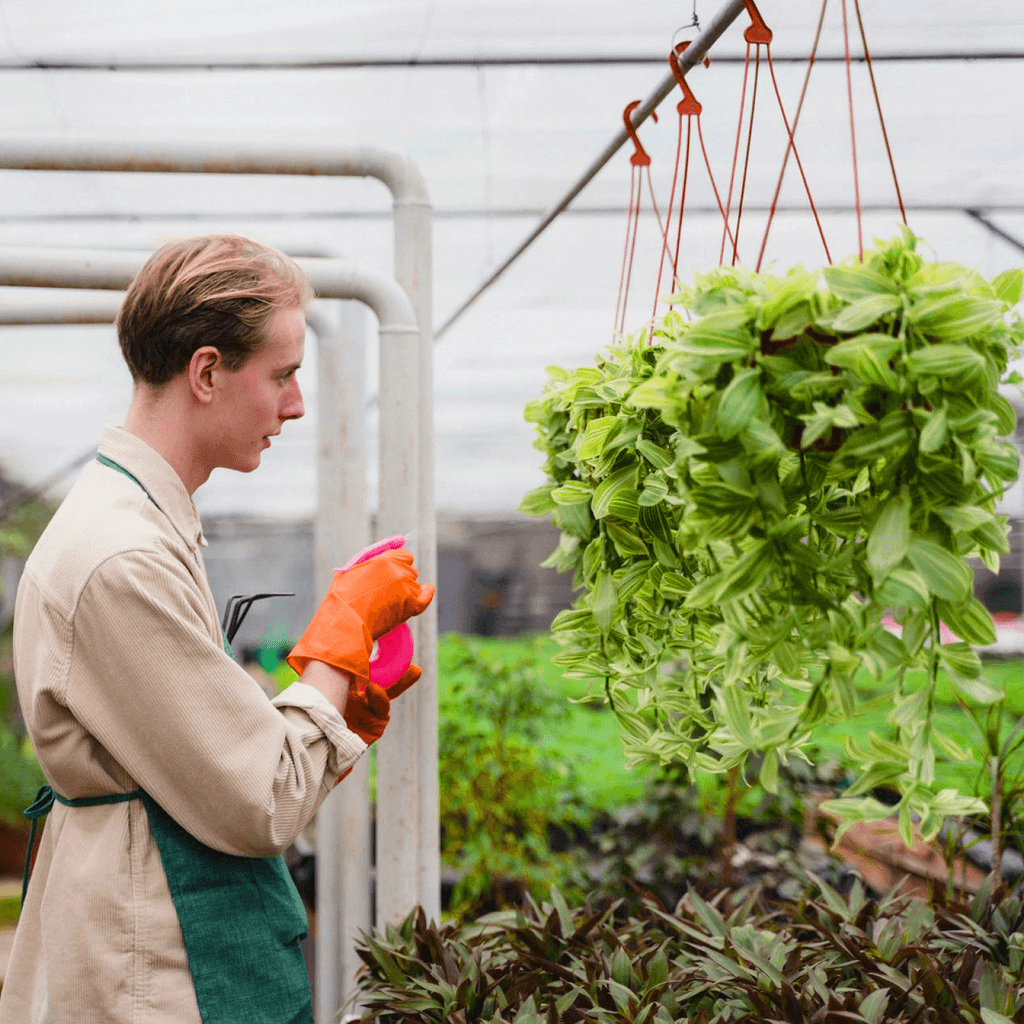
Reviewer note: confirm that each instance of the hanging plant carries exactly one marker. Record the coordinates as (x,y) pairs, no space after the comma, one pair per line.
(743,500)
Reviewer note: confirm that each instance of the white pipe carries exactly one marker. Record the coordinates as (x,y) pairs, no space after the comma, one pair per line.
(413,269)
(59,152)
(419,854)
(343,863)
(60,308)
(111,270)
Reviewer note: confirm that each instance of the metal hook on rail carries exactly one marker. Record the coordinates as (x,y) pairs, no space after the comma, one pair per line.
(757,31)
(688,104)
(686,28)
(639,157)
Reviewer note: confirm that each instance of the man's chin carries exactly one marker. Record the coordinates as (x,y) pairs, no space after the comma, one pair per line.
(245,467)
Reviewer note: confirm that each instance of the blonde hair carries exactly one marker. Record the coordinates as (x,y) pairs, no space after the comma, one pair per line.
(217,290)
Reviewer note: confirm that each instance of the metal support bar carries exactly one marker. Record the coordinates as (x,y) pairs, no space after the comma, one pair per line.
(80,307)
(980,218)
(111,270)
(472,213)
(69,153)
(343,861)
(689,59)
(478,61)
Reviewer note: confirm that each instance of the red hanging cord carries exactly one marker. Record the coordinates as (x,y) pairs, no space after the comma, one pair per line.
(663,231)
(878,107)
(682,197)
(637,160)
(791,144)
(746,158)
(620,305)
(632,253)
(799,162)
(714,187)
(690,108)
(686,107)
(735,154)
(668,224)
(853,137)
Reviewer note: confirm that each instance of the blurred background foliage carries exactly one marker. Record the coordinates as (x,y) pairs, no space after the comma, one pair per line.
(21,524)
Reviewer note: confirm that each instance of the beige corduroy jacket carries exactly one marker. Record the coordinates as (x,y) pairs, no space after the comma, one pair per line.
(124,683)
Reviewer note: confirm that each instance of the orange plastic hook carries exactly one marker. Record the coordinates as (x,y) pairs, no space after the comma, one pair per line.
(758,31)
(680,47)
(688,104)
(640,157)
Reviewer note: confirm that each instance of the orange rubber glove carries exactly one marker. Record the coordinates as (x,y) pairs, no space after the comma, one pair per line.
(368,712)
(362,604)
(384,590)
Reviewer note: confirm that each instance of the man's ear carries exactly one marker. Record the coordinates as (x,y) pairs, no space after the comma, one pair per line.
(205,362)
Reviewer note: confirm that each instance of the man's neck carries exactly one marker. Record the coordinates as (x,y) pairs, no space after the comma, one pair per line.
(161,421)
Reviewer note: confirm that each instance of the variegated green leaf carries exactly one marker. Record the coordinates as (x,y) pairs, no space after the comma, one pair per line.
(933,434)
(947,575)
(572,493)
(597,435)
(1008,285)
(969,620)
(740,402)
(621,480)
(889,539)
(867,311)
(604,601)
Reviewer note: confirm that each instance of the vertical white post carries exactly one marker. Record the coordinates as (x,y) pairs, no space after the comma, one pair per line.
(397,806)
(342,528)
(414,271)
(408,847)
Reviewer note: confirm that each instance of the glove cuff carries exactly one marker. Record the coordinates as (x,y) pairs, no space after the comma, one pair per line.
(336,636)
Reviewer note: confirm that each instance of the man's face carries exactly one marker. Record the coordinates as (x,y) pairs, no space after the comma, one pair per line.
(253,402)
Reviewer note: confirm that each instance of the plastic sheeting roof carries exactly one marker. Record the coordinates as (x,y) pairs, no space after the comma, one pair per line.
(498,143)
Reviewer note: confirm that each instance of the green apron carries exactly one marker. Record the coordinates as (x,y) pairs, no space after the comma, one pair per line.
(241,918)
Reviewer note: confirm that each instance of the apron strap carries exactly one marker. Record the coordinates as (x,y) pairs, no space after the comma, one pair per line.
(110,463)
(41,806)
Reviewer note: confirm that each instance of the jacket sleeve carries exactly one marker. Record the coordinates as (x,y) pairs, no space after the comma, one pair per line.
(148,681)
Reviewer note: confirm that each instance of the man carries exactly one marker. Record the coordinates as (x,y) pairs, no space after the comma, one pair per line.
(158,893)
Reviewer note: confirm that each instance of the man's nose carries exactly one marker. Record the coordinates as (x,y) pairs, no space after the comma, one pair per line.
(294,408)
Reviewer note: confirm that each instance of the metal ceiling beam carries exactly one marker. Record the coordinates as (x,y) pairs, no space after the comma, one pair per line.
(478,212)
(517,60)
(977,215)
